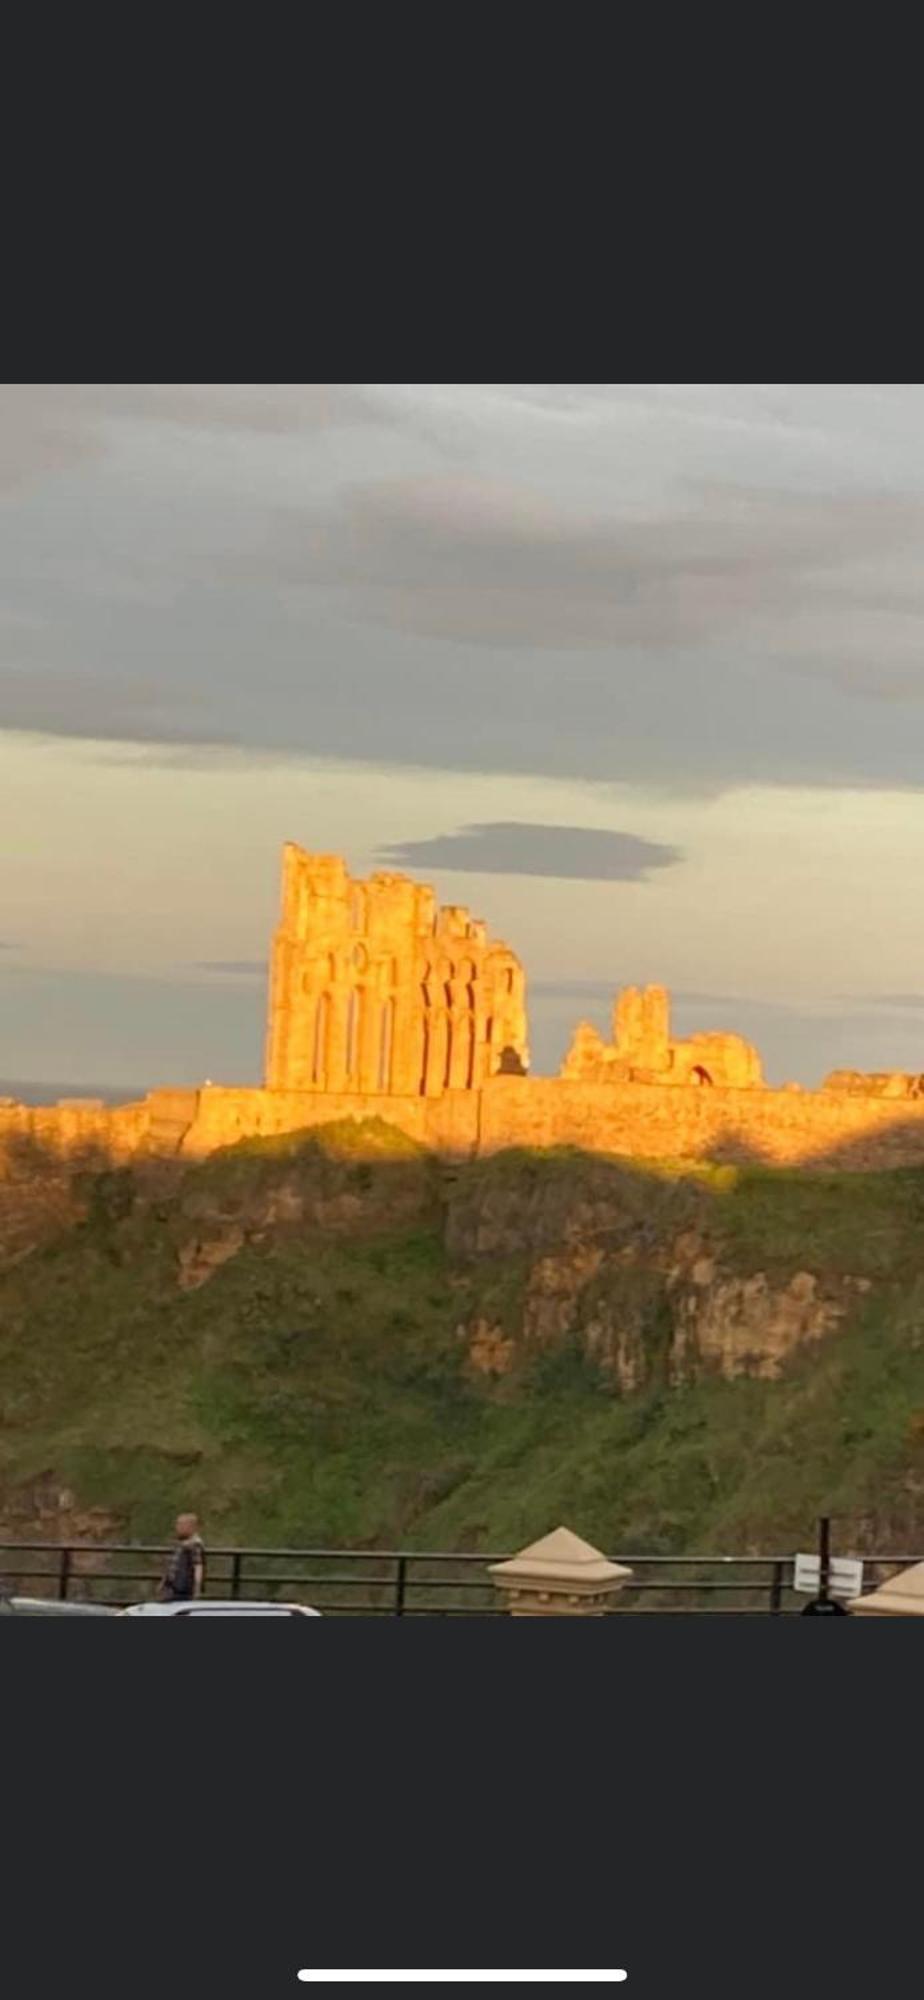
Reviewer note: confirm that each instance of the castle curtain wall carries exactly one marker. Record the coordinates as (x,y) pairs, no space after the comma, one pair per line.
(814,1129)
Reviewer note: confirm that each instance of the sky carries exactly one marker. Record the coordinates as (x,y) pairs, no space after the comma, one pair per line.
(635,671)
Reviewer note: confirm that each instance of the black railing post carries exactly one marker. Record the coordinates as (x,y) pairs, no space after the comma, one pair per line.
(400,1584)
(776,1588)
(236,1562)
(64,1574)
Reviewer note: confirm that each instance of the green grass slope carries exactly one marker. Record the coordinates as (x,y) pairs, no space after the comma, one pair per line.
(318,1387)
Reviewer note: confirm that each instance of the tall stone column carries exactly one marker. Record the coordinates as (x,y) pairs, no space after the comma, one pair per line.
(479,1026)
(407,1053)
(407,1045)
(656,1024)
(628,1028)
(437,1050)
(299,1044)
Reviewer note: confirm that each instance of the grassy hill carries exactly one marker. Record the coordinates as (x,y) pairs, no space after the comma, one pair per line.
(336,1340)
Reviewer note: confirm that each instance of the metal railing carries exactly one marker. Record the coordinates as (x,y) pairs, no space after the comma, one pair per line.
(399,1583)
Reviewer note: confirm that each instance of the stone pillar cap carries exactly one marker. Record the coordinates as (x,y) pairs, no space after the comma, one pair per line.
(562,1558)
(901,1596)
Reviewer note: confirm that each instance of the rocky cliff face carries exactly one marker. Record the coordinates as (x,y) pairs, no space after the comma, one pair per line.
(588,1253)
(648,1302)
(213,1210)
(342,1338)
(673,1325)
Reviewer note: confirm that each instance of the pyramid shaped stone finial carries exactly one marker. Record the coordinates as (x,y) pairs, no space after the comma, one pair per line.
(901,1597)
(560,1575)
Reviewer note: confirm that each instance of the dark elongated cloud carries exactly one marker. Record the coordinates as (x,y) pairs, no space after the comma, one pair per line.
(513,847)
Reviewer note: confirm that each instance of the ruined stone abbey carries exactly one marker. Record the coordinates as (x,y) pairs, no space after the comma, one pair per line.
(382,1004)
(375,990)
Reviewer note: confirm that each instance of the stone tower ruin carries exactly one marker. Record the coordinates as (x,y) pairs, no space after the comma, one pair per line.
(374,990)
(643,1050)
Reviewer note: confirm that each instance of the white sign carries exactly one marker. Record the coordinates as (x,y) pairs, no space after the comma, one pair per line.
(463,1978)
(845,1577)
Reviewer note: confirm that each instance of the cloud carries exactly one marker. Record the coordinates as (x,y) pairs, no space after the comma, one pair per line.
(37,435)
(106,708)
(268,407)
(8,944)
(514,847)
(297,570)
(52,427)
(494,563)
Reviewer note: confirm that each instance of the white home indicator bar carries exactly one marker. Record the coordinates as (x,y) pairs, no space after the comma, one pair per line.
(547,1978)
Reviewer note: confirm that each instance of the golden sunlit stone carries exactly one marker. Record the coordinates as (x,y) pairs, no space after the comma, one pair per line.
(376,990)
(385,1006)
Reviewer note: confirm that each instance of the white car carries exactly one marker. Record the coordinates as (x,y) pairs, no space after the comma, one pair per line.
(218,1607)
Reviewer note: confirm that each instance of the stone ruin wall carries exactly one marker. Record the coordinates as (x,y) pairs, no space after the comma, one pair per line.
(815,1129)
(642,1050)
(377,991)
(383,1005)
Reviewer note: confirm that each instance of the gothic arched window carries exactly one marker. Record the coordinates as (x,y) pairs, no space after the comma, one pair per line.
(386,1041)
(321,1031)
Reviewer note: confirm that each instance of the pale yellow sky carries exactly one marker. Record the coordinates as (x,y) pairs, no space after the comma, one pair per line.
(112,864)
(670,636)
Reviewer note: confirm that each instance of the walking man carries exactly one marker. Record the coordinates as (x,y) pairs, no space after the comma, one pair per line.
(184,1575)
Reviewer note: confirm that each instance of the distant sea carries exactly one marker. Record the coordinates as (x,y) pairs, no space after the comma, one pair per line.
(49,1093)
